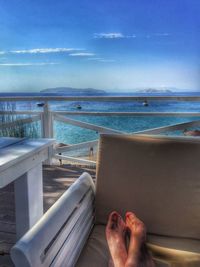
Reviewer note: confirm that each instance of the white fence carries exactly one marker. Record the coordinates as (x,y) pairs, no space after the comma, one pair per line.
(48,116)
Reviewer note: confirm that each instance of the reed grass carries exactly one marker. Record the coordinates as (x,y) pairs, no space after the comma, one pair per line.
(20,129)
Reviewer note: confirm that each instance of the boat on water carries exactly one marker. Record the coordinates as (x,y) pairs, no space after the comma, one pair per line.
(78,107)
(145,103)
(40,104)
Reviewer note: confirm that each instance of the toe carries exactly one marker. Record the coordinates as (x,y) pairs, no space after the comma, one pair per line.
(113,220)
(110,220)
(115,217)
(130,218)
(130,215)
(133,219)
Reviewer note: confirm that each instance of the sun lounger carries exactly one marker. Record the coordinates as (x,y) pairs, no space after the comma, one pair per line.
(156,177)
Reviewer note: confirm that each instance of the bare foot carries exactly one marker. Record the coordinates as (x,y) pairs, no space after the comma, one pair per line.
(138,254)
(115,234)
(137,239)
(191,133)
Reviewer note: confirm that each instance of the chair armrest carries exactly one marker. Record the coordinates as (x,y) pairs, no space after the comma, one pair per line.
(59,236)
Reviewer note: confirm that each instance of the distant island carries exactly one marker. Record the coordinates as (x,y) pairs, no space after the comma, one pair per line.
(73,91)
(154,91)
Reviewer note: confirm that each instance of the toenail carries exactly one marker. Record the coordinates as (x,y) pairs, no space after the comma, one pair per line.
(128,214)
(115,216)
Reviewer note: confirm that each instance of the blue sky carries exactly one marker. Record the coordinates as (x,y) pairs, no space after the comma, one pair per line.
(115,45)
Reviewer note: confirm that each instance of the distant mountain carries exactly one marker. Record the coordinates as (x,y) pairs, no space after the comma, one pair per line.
(73,91)
(154,91)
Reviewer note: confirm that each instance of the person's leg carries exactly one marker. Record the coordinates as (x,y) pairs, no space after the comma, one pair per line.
(138,254)
(115,234)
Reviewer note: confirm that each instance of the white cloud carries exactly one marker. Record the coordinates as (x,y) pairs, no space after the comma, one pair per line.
(2,52)
(119,35)
(83,54)
(130,36)
(44,50)
(95,58)
(99,59)
(113,35)
(28,64)
(106,60)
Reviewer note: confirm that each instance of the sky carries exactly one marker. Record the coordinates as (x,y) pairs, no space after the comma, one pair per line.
(116,45)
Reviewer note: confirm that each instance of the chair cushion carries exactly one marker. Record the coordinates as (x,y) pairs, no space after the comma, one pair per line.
(96,253)
(174,251)
(156,177)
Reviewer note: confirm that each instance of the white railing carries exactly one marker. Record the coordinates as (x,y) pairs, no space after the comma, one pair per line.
(48,116)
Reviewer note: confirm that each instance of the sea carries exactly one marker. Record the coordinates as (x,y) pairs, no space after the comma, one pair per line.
(69,134)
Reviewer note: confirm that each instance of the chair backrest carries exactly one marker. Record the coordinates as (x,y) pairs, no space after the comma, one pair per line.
(57,239)
(158,178)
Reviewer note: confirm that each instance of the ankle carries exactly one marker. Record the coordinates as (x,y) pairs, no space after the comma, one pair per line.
(131,263)
(119,259)
(118,264)
(133,258)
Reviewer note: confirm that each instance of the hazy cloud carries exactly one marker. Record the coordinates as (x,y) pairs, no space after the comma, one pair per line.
(99,59)
(28,64)
(106,60)
(112,35)
(94,58)
(83,54)
(119,35)
(130,36)
(44,50)
(162,34)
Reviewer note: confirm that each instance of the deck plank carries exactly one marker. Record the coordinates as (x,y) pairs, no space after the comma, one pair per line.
(56,180)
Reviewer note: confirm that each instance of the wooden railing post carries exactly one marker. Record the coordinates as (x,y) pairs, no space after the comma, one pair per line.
(47,128)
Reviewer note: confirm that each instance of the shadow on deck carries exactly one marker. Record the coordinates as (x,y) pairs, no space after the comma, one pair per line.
(56,180)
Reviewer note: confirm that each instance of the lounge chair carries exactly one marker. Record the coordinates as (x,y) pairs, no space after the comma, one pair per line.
(156,177)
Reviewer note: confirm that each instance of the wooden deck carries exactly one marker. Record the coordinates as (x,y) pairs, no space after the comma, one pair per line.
(56,180)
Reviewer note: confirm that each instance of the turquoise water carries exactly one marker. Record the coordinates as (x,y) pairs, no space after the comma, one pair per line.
(71,134)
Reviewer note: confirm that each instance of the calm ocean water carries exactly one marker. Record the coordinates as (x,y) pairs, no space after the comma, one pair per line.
(71,134)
